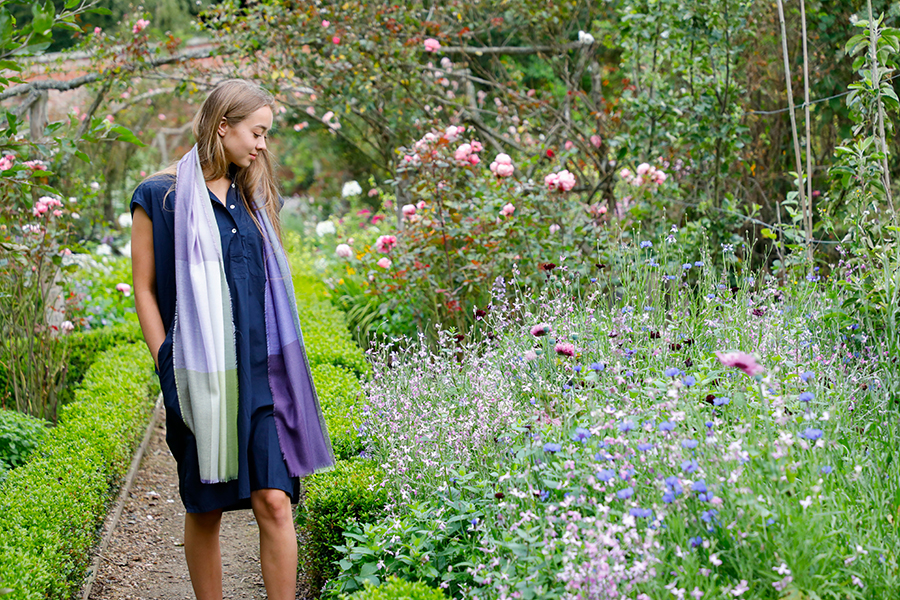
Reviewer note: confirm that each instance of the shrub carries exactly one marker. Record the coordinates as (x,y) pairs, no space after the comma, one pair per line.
(339,392)
(20,434)
(326,337)
(52,506)
(84,346)
(396,589)
(352,492)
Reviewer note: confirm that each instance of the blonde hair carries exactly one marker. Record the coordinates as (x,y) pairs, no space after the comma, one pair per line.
(235,100)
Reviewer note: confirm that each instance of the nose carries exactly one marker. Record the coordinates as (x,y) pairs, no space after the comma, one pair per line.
(261,143)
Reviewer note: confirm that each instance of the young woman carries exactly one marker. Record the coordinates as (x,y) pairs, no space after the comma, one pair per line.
(216,305)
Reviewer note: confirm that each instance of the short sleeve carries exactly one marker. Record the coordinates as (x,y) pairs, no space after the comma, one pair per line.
(142,198)
(150,194)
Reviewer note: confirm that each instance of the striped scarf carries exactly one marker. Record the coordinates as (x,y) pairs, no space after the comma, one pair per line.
(203,346)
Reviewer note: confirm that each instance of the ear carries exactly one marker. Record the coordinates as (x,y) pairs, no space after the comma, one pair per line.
(222,128)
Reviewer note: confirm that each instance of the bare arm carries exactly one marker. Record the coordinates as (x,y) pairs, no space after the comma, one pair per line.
(143,274)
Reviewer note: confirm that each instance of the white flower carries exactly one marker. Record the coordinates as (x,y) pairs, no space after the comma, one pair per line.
(103,250)
(351,188)
(324,228)
(95,187)
(343,251)
(124,220)
(585,38)
(806,503)
(66,326)
(76,216)
(126,249)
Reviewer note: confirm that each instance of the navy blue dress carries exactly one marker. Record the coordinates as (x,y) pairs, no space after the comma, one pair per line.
(260,462)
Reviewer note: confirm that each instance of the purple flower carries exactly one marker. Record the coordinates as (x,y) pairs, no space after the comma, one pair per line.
(626,426)
(688,380)
(721,401)
(597,366)
(644,446)
(625,493)
(672,372)
(672,481)
(689,444)
(806,375)
(698,264)
(666,426)
(689,466)
(605,474)
(646,244)
(811,433)
(668,497)
(581,435)
(641,513)
(699,486)
(696,541)
(709,515)
(686,266)
(550,447)
(806,397)
(602,456)
(825,470)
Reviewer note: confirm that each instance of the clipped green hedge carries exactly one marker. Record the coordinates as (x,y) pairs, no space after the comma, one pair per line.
(352,491)
(20,434)
(340,395)
(85,346)
(52,506)
(396,589)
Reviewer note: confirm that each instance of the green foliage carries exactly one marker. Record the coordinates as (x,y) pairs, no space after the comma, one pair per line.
(395,588)
(20,435)
(352,492)
(93,294)
(340,397)
(52,506)
(84,346)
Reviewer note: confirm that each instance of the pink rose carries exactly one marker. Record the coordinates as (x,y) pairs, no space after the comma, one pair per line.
(124,288)
(66,326)
(463,152)
(432,45)
(643,168)
(452,132)
(161,117)
(139,26)
(336,40)
(384,262)
(6,162)
(420,204)
(97,30)
(473,159)
(569,145)
(385,243)
(326,23)
(502,166)
(343,251)
(596,141)
(742,361)
(565,181)
(554,228)
(476,146)
(408,210)
(507,210)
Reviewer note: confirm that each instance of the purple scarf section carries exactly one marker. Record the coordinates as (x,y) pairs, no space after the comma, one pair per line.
(301,429)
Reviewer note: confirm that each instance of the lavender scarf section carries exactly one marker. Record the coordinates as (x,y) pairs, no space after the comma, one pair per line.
(206,378)
(203,346)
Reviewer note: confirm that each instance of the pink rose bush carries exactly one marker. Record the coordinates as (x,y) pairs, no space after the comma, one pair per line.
(507,210)
(384,262)
(646,175)
(385,243)
(560,182)
(6,162)
(502,166)
(432,45)
(139,26)
(44,205)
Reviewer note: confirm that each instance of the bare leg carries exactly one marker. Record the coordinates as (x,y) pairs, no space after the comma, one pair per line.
(204,558)
(277,542)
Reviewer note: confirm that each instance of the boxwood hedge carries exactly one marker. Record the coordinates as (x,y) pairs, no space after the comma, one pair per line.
(51,507)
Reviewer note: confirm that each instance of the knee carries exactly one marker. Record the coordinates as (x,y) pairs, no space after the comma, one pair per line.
(203,522)
(271,505)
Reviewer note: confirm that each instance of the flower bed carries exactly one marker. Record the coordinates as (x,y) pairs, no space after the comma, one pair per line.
(52,506)
(704,434)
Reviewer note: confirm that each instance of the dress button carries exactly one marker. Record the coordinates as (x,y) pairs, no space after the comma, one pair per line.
(234,231)
(232,207)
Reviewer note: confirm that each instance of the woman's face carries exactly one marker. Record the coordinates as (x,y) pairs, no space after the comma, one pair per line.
(243,141)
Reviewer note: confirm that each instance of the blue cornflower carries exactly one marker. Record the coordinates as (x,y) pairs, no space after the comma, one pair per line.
(625,493)
(689,466)
(577,368)
(689,444)
(806,375)
(671,277)
(627,310)
(672,481)
(652,263)
(593,280)
(626,426)
(825,470)
(544,495)
(699,486)
(666,426)
(474,522)
(597,366)
(806,397)
(709,424)
(672,372)
(812,434)
(643,447)
(648,309)
(688,380)
(696,541)
(605,474)
(602,456)
(641,513)
(710,296)
(709,515)
(646,244)
(812,277)
(581,435)
(721,400)
(705,497)
(686,266)
(698,264)
(550,447)
(770,521)
(668,497)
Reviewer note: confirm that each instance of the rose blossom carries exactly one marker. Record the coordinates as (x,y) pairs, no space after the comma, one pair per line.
(124,288)
(507,210)
(502,166)
(476,146)
(432,45)
(66,326)
(385,243)
(596,141)
(384,262)
(463,152)
(343,251)
(408,210)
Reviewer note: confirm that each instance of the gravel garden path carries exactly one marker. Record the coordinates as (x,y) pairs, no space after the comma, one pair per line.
(144,558)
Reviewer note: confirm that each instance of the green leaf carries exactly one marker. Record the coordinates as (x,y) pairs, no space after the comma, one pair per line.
(43,17)
(124,134)
(768,234)
(100,10)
